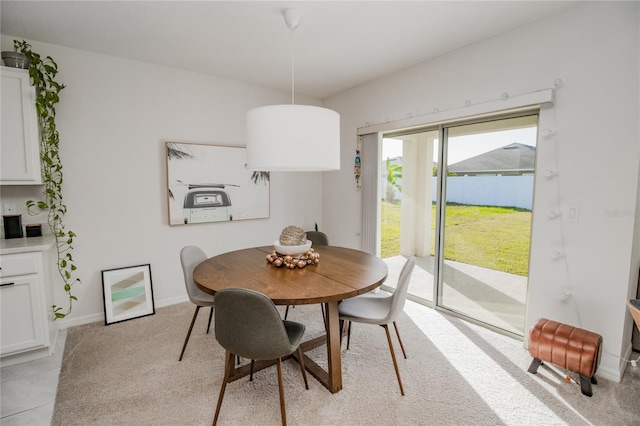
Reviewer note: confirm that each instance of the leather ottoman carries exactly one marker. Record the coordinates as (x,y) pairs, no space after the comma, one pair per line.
(571,348)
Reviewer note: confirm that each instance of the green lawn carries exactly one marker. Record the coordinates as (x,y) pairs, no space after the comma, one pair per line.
(491,237)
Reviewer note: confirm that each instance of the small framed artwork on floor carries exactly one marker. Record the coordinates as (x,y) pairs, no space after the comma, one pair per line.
(127,293)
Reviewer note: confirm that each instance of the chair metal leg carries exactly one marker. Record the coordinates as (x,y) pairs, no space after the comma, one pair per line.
(195,315)
(286,312)
(393,356)
(399,340)
(349,333)
(283,412)
(304,373)
(228,369)
(210,316)
(253,361)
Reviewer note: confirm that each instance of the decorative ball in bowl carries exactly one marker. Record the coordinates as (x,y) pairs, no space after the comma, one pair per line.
(291,250)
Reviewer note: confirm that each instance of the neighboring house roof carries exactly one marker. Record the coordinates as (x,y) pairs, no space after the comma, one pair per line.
(515,158)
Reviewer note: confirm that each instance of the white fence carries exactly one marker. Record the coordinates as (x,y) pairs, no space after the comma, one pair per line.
(504,191)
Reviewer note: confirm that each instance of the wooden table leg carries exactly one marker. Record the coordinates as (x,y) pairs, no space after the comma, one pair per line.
(334,362)
(332,377)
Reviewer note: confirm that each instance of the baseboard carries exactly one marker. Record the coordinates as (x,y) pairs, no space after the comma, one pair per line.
(613,374)
(72,321)
(68,322)
(26,356)
(171,301)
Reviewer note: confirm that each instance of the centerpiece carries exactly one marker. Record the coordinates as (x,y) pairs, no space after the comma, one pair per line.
(293,249)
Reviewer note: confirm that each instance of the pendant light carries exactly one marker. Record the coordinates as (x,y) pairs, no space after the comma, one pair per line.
(293,137)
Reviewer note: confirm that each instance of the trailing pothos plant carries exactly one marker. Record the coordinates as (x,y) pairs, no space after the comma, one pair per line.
(42,73)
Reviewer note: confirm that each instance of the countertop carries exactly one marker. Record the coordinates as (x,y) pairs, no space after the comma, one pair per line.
(25,245)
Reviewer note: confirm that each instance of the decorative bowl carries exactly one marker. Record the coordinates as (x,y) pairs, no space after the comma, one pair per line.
(291,250)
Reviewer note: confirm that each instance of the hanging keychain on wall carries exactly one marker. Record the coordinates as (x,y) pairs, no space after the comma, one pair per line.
(356,168)
(357,163)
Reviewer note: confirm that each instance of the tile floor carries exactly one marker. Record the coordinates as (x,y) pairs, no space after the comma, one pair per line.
(28,390)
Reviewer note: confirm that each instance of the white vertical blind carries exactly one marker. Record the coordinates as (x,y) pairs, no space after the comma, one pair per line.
(370,160)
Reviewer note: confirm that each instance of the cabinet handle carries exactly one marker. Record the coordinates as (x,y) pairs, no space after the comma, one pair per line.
(6,284)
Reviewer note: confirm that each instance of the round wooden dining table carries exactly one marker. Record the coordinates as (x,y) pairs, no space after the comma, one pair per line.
(341,273)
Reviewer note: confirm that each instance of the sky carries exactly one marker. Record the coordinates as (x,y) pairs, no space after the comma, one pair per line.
(463,147)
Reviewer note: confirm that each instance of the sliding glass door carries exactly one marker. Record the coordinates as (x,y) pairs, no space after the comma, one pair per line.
(469,223)
(486,210)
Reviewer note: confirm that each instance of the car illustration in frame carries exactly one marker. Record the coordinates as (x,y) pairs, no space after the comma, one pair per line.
(207,203)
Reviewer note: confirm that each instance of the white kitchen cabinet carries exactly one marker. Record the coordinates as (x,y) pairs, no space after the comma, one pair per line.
(26,320)
(19,141)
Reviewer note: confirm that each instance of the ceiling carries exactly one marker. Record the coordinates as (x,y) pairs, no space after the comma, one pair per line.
(338,45)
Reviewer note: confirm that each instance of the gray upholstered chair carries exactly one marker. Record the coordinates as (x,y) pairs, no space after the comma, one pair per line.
(380,310)
(318,238)
(190,257)
(248,325)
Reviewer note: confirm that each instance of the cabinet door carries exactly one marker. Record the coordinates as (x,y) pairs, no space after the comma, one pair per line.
(22,325)
(19,143)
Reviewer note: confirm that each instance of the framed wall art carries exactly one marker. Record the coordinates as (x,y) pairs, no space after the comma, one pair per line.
(211,183)
(127,293)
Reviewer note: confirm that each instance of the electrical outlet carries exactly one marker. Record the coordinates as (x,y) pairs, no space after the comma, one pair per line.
(9,208)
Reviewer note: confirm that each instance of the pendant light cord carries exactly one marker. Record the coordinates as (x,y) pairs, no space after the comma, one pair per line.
(292,19)
(293,85)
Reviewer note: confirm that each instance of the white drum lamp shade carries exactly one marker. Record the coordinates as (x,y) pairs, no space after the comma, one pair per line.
(293,138)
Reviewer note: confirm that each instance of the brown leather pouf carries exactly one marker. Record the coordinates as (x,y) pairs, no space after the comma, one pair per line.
(571,348)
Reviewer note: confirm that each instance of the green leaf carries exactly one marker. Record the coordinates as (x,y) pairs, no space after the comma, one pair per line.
(42,73)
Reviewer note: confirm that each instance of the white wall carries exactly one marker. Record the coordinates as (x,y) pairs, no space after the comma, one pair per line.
(114,119)
(594,49)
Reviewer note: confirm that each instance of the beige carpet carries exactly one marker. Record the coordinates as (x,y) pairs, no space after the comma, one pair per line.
(456,374)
